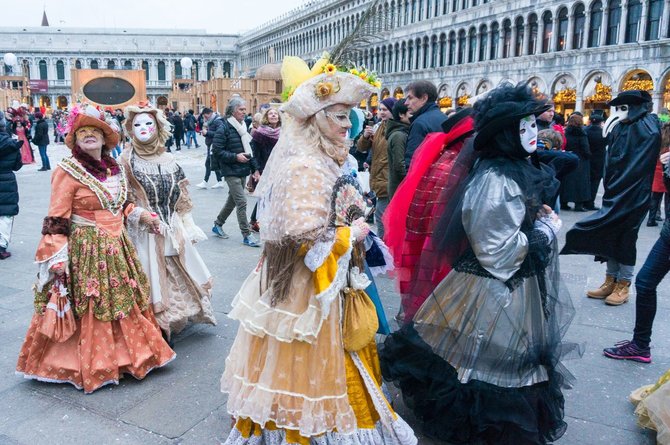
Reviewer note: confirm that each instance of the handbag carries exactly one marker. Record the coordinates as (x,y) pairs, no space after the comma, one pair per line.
(58,322)
(360,321)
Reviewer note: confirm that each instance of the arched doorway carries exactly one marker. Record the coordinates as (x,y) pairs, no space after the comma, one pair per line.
(564,94)
(444,101)
(665,90)
(597,92)
(61,103)
(538,85)
(373,102)
(398,93)
(637,80)
(45,101)
(385,93)
(464,93)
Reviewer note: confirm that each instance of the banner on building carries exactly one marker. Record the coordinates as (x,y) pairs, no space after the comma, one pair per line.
(39,86)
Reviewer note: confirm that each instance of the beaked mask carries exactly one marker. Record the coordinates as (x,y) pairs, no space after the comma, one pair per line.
(618,114)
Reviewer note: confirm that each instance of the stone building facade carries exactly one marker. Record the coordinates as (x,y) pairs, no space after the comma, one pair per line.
(578,52)
(48,54)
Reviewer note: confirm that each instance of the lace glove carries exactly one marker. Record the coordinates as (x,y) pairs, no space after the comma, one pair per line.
(151,220)
(549,224)
(359,229)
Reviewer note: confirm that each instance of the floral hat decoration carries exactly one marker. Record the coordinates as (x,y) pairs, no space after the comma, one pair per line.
(89,116)
(333,79)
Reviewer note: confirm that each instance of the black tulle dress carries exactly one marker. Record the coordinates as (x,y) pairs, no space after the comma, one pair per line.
(480,363)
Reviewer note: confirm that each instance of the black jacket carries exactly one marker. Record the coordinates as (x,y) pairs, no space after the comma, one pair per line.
(41,133)
(189,122)
(226,146)
(211,130)
(10,161)
(428,119)
(178,126)
(597,145)
(577,142)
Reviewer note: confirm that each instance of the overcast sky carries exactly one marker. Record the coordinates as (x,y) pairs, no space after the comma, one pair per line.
(215,16)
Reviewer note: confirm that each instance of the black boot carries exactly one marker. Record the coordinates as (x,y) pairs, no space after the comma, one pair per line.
(651,222)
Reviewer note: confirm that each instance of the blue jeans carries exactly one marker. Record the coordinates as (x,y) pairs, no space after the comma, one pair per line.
(190,136)
(45,158)
(656,266)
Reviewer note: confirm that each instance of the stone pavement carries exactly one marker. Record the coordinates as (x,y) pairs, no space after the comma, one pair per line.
(181,403)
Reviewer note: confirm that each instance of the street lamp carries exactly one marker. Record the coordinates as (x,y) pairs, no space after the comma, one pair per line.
(186,64)
(10,61)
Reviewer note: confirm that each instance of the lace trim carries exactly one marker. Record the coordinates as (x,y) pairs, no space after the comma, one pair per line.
(318,253)
(153,167)
(44,273)
(192,231)
(373,436)
(333,291)
(107,201)
(246,384)
(388,258)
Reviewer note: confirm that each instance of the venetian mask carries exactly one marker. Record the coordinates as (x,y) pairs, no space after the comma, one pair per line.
(144,127)
(89,137)
(617,114)
(528,133)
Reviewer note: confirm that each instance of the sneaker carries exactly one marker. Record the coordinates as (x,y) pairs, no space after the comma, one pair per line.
(218,231)
(202,185)
(4,255)
(255,227)
(250,241)
(218,185)
(628,350)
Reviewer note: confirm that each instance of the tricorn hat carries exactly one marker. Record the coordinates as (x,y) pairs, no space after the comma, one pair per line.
(633,97)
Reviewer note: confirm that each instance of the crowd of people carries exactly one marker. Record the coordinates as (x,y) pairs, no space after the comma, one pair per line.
(465,205)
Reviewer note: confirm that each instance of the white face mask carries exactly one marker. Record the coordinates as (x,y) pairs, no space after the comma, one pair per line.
(144,127)
(528,133)
(617,114)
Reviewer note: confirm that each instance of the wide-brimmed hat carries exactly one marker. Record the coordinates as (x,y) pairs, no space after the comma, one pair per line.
(502,107)
(89,117)
(633,97)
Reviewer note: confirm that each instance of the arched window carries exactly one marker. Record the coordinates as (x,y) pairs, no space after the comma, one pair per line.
(472,45)
(507,38)
(406,21)
(161,70)
(443,49)
(60,70)
(483,41)
(77,64)
(111,65)
(633,20)
(413,11)
(452,48)
(433,52)
(94,64)
(177,70)
(145,67)
(210,70)
(562,29)
(420,17)
(495,41)
(613,21)
(454,5)
(425,61)
(410,55)
(227,72)
(654,19)
(580,22)
(518,45)
(461,46)
(533,29)
(43,70)
(403,57)
(548,23)
(127,65)
(596,23)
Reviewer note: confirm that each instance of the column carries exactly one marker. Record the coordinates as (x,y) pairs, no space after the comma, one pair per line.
(665,19)
(512,45)
(603,27)
(554,35)
(657,100)
(203,70)
(169,71)
(579,103)
(642,29)
(623,23)
(540,35)
(526,39)
(501,45)
(153,70)
(571,31)
(587,29)
(51,69)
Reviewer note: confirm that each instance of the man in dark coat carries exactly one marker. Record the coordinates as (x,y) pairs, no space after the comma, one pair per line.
(41,139)
(634,140)
(178,131)
(426,116)
(231,154)
(189,125)
(10,161)
(597,145)
(211,121)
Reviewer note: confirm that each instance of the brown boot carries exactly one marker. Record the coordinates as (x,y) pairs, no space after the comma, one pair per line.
(604,290)
(620,294)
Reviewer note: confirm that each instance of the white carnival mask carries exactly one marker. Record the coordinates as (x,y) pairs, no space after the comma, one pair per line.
(144,127)
(528,133)
(617,114)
